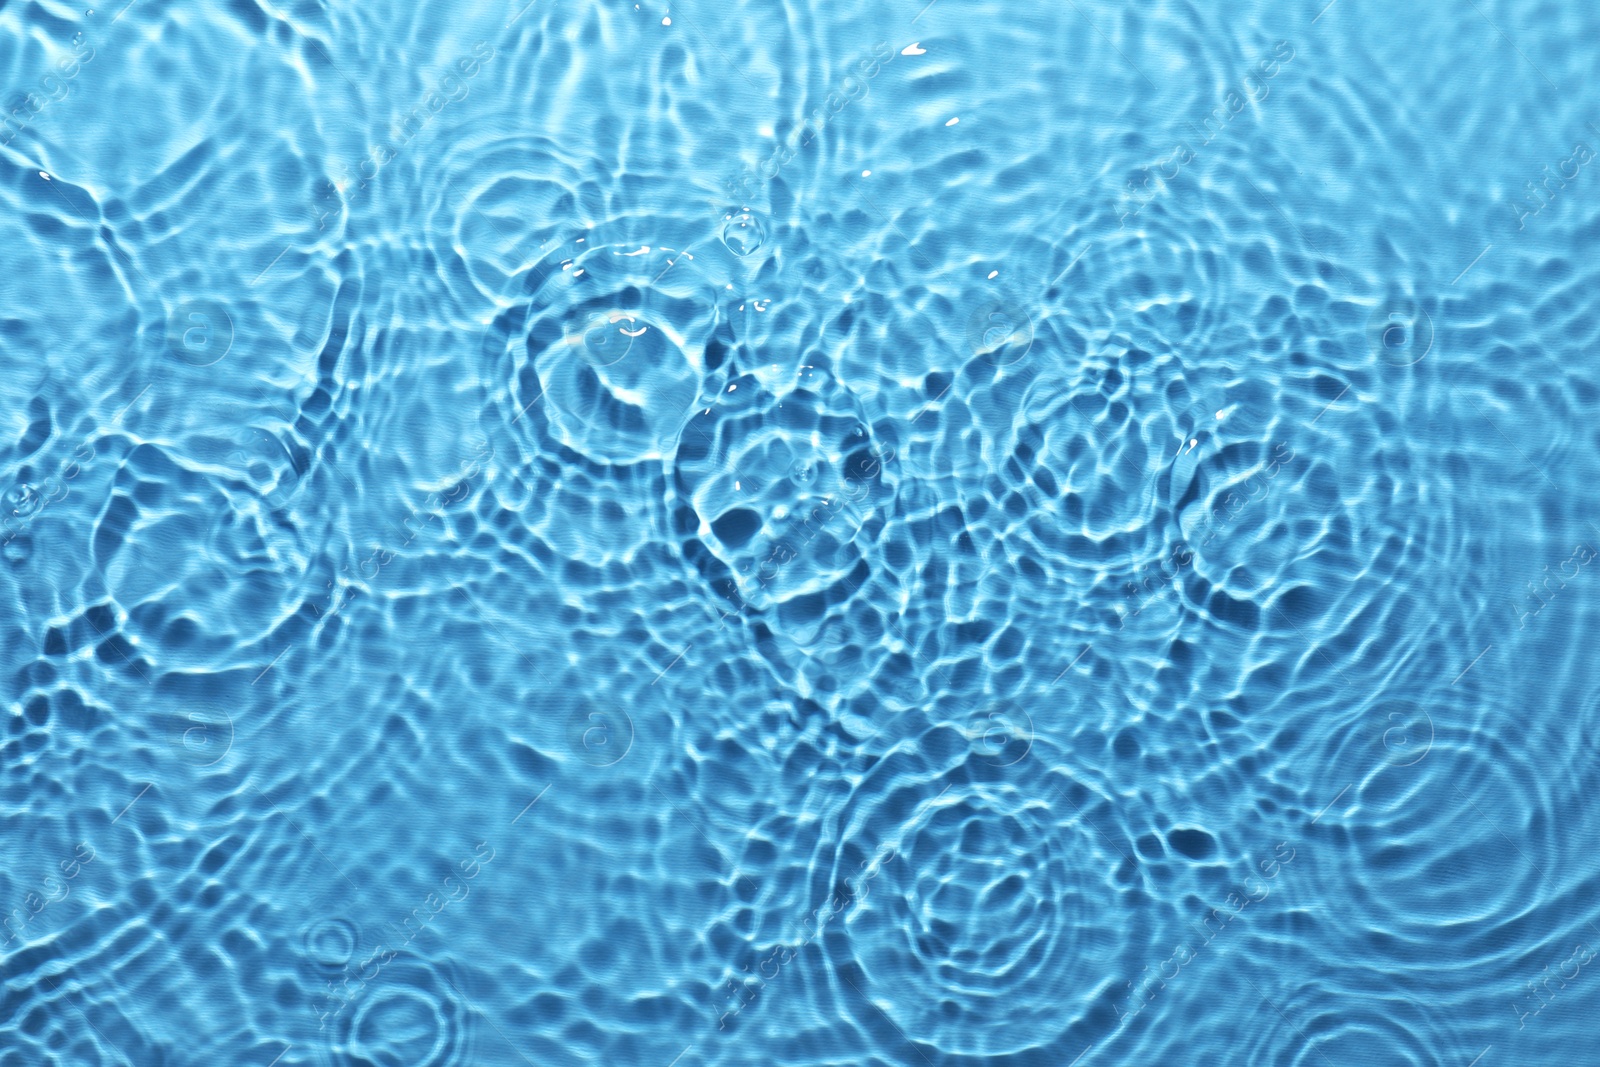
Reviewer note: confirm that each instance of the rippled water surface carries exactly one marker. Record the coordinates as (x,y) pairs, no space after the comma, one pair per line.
(799,533)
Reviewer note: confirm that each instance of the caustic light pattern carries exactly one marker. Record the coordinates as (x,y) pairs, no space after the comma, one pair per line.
(799,533)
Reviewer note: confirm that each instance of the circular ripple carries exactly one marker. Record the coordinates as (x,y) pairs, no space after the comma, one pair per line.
(829,648)
(615,343)
(1108,476)
(196,576)
(1354,1017)
(402,1028)
(330,943)
(1362,1033)
(1301,1011)
(787,483)
(264,466)
(501,203)
(995,914)
(1164,280)
(408,1015)
(978,907)
(1451,841)
(22,501)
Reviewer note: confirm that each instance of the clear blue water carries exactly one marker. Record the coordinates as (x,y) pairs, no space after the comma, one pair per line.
(804,534)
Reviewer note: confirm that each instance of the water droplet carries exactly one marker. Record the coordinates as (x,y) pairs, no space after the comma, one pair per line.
(744,233)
